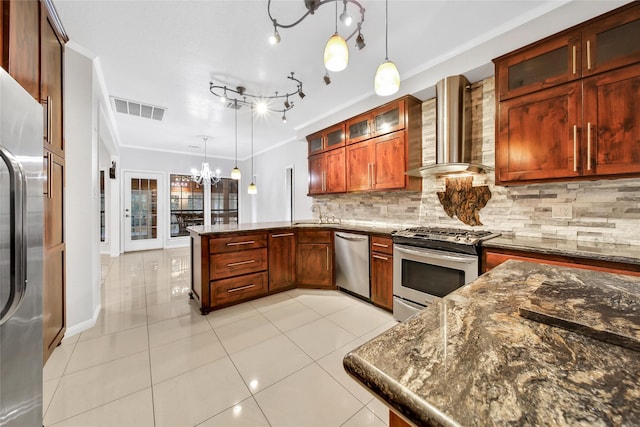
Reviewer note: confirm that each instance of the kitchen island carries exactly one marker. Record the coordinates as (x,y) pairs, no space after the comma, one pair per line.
(471,359)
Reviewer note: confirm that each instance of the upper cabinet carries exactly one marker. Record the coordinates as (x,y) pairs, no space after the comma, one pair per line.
(567,106)
(326,139)
(381,146)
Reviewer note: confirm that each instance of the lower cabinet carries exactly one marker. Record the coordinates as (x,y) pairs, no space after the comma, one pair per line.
(282,260)
(314,259)
(491,258)
(382,272)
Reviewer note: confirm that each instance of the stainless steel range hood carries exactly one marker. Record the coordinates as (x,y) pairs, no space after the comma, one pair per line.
(453,137)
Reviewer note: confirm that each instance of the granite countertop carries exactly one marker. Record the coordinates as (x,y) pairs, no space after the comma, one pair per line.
(471,359)
(610,252)
(260,226)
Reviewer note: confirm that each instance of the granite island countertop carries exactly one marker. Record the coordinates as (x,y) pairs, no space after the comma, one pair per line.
(471,359)
(262,226)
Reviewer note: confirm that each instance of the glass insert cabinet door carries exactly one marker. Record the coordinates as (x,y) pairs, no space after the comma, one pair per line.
(142,216)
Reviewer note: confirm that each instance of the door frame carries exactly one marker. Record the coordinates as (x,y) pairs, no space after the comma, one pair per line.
(159,241)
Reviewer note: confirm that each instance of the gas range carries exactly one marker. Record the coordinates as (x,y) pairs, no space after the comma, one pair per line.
(447,239)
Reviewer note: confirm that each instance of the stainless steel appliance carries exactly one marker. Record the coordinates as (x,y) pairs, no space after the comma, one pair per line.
(429,263)
(21,234)
(352,263)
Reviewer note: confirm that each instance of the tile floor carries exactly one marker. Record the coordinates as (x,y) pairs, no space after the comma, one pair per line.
(153,360)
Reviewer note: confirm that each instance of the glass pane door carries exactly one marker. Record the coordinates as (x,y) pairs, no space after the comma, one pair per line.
(142,218)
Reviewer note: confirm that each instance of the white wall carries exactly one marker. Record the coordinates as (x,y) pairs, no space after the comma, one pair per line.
(81,193)
(270,168)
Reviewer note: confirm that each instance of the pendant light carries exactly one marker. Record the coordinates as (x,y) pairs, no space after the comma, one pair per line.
(387,79)
(235,172)
(252,189)
(336,51)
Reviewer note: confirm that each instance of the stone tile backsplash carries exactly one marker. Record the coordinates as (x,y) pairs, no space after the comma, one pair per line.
(602,211)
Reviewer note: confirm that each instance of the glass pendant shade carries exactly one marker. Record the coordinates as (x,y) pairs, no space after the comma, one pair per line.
(252,189)
(336,53)
(387,80)
(235,173)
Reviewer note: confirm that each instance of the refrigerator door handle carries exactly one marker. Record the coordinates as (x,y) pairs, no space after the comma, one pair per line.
(17,208)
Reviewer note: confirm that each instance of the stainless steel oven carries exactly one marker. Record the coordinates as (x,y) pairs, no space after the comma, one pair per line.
(429,264)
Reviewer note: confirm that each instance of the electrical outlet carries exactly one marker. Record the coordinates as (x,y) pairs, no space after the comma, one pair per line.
(561,211)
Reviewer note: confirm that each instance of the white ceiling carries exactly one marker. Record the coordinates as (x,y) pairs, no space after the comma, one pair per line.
(165,53)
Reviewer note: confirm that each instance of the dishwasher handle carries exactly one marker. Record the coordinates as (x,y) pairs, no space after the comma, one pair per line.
(352,238)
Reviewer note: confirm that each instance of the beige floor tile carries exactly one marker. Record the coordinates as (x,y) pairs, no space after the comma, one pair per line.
(325,303)
(163,296)
(57,362)
(185,354)
(320,338)
(271,302)
(103,349)
(309,397)
(364,418)
(268,362)
(244,414)
(231,314)
(246,333)
(291,316)
(379,409)
(199,394)
(360,318)
(169,330)
(332,363)
(169,310)
(70,339)
(93,387)
(112,320)
(48,389)
(134,410)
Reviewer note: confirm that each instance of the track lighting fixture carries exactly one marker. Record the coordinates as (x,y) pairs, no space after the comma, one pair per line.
(336,51)
(284,117)
(240,97)
(387,79)
(327,79)
(252,189)
(235,172)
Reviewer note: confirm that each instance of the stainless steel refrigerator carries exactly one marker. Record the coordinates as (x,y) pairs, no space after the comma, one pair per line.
(21,255)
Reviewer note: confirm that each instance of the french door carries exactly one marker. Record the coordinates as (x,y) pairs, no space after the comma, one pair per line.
(143,219)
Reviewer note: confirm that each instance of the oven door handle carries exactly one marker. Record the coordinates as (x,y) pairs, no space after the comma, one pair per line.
(436,255)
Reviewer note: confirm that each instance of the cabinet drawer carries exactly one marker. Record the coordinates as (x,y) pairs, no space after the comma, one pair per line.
(237,243)
(382,244)
(237,263)
(238,288)
(314,236)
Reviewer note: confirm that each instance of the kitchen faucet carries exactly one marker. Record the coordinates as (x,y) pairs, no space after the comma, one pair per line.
(315,207)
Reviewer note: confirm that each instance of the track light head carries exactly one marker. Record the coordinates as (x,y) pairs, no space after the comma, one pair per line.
(284,117)
(301,93)
(360,41)
(287,104)
(345,18)
(327,79)
(274,38)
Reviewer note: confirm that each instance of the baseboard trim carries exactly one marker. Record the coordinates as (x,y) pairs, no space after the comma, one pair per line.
(83,326)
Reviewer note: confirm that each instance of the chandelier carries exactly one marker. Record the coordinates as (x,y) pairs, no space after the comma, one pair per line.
(205,174)
(235,98)
(336,51)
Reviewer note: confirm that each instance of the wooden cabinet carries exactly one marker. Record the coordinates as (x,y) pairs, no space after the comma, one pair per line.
(492,257)
(314,259)
(612,122)
(382,272)
(228,268)
(377,164)
(326,139)
(51,83)
(382,144)
(282,259)
(567,106)
(327,172)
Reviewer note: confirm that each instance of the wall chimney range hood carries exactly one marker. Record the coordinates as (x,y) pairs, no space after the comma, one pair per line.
(453,131)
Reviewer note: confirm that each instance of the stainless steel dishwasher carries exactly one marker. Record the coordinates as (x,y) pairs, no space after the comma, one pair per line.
(352,263)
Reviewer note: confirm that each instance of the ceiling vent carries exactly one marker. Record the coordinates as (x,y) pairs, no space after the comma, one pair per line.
(138,109)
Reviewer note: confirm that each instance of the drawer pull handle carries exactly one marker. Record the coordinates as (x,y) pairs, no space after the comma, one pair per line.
(384,258)
(241,288)
(248,242)
(282,235)
(233,264)
(381,245)
(589,146)
(327,258)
